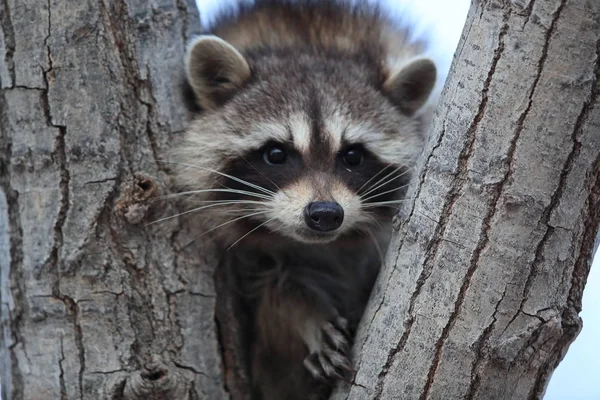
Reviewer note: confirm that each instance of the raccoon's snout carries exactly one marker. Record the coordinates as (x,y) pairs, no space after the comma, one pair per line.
(324,216)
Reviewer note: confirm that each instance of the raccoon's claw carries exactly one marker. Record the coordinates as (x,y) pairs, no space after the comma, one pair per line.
(332,362)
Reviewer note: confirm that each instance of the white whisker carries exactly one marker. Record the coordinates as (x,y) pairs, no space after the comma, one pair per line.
(393,178)
(252,230)
(194,210)
(373,177)
(378,184)
(383,203)
(264,176)
(386,192)
(223,224)
(242,181)
(235,191)
(233,212)
(226,201)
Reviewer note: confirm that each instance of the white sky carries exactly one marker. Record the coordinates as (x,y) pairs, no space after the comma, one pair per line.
(578,376)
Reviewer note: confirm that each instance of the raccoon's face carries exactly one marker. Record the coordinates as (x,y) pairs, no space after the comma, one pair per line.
(305,147)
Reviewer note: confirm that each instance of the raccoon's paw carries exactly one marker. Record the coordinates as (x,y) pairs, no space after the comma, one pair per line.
(332,360)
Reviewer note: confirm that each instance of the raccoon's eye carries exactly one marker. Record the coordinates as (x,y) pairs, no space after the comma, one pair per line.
(275,155)
(353,157)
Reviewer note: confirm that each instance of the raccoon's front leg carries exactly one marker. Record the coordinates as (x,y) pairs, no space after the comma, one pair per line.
(329,346)
(302,346)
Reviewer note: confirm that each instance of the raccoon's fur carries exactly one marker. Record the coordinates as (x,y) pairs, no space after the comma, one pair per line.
(309,117)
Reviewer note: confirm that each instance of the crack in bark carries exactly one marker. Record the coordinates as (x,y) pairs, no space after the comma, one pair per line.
(112,179)
(555,198)
(207,296)
(152,117)
(479,346)
(9,42)
(133,308)
(527,12)
(192,369)
(106,372)
(23,87)
(73,313)
(78,336)
(183,14)
(533,338)
(120,337)
(120,28)
(61,158)
(437,144)
(61,376)
(534,316)
(16,315)
(455,192)
(408,323)
(174,321)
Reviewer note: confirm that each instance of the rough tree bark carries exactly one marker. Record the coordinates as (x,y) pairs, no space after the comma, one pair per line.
(482,288)
(94,304)
(480,294)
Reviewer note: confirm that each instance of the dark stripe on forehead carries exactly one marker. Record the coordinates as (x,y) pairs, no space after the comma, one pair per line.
(320,141)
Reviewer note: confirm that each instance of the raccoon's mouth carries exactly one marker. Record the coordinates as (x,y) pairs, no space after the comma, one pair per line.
(312,236)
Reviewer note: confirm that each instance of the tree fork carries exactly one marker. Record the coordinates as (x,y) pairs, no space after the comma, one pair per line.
(481,291)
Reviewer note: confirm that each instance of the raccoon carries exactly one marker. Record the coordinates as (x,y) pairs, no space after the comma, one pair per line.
(308,119)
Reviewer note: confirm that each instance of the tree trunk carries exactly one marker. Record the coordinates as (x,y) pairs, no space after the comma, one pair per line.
(94,304)
(480,295)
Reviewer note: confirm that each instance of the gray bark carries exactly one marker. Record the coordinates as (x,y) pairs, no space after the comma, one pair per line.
(94,304)
(480,295)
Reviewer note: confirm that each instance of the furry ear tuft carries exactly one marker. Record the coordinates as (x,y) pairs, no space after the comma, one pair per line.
(215,70)
(409,86)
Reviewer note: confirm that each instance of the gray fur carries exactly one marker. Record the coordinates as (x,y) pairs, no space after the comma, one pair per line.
(316,77)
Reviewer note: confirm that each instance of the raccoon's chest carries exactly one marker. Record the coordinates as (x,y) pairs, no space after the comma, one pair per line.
(331,276)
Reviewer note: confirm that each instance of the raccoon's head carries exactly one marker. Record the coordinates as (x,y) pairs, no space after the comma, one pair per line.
(309,146)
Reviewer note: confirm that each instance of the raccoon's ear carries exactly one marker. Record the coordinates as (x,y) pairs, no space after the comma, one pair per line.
(409,86)
(215,70)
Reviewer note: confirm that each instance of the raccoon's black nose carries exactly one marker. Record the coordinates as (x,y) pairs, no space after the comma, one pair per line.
(324,216)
